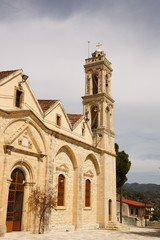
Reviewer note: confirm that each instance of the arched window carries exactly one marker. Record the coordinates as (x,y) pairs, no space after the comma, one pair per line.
(108,117)
(87,193)
(94,117)
(61,185)
(95,84)
(106,84)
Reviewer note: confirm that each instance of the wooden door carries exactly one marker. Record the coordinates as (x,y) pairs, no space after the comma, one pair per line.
(15,201)
(110,210)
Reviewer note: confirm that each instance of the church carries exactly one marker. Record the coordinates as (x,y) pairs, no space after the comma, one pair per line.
(42,145)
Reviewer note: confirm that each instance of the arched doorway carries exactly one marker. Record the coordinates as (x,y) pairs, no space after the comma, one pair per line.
(15,201)
(110,210)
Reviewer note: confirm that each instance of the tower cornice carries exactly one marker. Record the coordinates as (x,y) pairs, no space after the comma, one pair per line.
(90,62)
(98,97)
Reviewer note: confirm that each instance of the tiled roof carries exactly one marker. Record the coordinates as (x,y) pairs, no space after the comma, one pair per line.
(73,118)
(133,203)
(6,73)
(46,104)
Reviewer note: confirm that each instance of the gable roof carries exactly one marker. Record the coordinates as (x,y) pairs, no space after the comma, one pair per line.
(46,104)
(133,203)
(6,73)
(73,118)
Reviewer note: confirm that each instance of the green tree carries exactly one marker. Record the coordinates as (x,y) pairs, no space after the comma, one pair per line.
(155,215)
(122,168)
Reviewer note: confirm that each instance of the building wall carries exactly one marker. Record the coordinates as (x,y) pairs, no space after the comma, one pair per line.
(131,218)
(12,133)
(68,158)
(90,173)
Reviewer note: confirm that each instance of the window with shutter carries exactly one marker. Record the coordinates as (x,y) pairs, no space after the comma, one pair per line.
(61,183)
(88,193)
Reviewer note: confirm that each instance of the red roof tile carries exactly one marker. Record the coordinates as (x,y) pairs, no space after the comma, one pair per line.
(73,118)
(134,203)
(6,73)
(46,104)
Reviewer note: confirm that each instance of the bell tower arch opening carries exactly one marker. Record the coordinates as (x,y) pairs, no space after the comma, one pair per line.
(107,84)
(94,117)
(95,83)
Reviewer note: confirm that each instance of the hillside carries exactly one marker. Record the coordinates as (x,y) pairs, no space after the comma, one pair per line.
(142,187)
(146,193)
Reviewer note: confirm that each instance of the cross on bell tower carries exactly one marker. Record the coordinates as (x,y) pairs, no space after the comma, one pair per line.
(98,46)
(97,102)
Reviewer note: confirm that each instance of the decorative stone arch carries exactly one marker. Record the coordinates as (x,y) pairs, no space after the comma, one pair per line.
(95,161)
(70,153)
(26,168)
(27,122)
(40,133)
(65,163)
(91,171)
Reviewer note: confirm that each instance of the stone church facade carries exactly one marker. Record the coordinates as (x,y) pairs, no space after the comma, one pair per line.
(43,146)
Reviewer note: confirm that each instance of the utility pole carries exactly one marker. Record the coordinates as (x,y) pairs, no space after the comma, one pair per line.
(121,195)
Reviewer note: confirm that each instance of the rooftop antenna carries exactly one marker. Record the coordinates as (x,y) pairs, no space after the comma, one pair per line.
(88,48)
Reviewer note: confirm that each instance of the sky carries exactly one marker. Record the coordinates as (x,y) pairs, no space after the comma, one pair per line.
(48,39)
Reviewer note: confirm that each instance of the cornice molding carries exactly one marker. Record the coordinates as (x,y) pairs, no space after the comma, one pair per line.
(98,97)
(8,149)
(53,132)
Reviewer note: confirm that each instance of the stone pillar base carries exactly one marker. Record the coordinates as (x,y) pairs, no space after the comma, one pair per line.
(2,232)
(116,226)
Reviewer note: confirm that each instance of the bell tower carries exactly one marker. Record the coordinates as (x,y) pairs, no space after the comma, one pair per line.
(97,102)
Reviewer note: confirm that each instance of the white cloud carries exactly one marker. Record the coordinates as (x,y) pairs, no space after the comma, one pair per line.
(147,165)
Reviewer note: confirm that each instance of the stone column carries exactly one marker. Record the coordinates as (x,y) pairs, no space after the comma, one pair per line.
(3,208)
(78,220)
(26,218)
(4,193)
(49,178)
(101,192)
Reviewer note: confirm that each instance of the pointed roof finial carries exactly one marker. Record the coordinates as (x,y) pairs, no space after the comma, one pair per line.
(98,46)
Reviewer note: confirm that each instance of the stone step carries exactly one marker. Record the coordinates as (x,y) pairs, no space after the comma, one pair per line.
(116,226)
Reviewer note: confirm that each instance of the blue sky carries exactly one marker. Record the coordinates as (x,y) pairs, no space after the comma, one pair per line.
(48,40)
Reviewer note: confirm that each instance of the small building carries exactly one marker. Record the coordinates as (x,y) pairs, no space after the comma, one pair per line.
(134,213)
